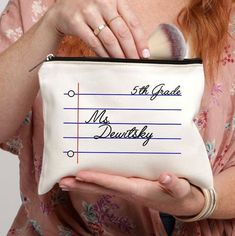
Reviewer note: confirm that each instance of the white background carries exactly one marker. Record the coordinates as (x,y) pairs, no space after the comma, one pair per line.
(9,182)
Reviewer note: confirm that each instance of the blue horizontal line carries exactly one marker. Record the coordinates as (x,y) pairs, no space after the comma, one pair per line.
(121,109)
(122,138)
(121,94)
(118,123)
(131,153)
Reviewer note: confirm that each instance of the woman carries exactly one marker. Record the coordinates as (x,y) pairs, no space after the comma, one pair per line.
(106,208)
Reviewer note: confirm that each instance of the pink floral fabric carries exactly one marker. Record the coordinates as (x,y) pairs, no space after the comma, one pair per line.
(91,212)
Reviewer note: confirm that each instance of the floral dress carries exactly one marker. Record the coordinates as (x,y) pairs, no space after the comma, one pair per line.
(101,213)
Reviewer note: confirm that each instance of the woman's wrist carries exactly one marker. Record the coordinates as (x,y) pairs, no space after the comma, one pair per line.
(49,25)
(193,203)
(210,197)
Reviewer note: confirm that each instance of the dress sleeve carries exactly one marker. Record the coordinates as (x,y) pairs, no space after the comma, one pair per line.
(228,74)
(231,69)
(11,29)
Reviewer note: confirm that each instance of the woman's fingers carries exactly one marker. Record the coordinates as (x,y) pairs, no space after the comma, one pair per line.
(115,183)
(133,23)
(132,188)
(125,38)
(188,196)
(103,33)
(120,29)
(169,194)
(70,184)
(87,35)
(176,187)
(110,28)
(114,33)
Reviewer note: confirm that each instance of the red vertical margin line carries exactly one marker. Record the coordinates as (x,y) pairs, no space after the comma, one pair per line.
(77,123)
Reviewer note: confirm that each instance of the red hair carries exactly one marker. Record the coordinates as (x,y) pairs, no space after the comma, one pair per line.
(205,26)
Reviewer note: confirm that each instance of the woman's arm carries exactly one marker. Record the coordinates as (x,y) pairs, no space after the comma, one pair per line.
(170,194)
(18,86)
(123,38)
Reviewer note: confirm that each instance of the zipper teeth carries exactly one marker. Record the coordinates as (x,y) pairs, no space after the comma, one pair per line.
(121,60)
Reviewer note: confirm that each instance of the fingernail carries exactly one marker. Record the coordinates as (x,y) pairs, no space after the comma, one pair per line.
(79,179)
(166,179)
(63,186)
(65,189)
(146,53)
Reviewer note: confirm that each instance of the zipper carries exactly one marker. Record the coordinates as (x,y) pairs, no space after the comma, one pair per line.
(48,58)
(51,57)
(125,60)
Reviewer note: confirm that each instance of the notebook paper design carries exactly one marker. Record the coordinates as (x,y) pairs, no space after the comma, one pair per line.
(130,119)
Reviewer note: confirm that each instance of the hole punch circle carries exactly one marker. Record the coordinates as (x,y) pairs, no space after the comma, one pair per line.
(71,93)
(70,153)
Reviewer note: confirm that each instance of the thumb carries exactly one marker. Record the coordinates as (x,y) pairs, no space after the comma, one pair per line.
(176,187)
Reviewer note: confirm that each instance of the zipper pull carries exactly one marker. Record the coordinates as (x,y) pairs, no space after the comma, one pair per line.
(48,58)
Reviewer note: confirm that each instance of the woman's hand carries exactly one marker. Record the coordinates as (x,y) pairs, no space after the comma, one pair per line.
(169,194)
(122,36)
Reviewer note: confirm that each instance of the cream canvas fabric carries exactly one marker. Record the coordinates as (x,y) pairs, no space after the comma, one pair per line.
(124,118)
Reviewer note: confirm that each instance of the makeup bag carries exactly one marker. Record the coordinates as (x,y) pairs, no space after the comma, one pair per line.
(123,117)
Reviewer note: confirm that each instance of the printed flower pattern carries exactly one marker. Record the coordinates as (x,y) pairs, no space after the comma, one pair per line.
(28,118)
(36,227)
(210,148)
(23,198)
(14,145)
(201,119)
(102,214)
(38,10)
(220,158)
(229,55)
(230,125)
(14,34)
(57,197)
(37,161)
(14,231)
(63,231)
(215,93)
